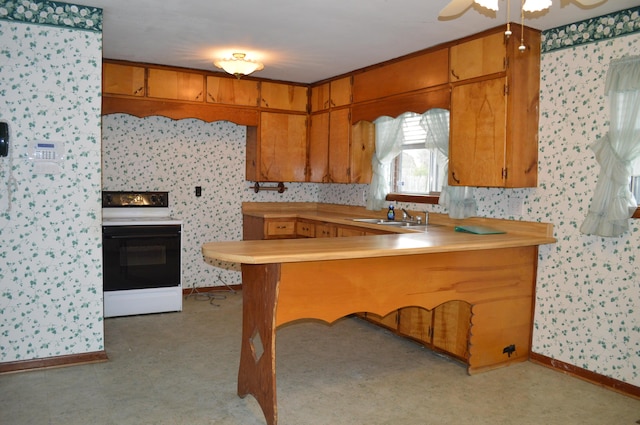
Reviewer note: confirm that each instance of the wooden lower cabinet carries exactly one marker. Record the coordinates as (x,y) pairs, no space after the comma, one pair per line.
(445,328)
(325,230)
(389,321)
(305,229)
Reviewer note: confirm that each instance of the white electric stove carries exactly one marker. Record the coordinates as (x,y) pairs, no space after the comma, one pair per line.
(142,245)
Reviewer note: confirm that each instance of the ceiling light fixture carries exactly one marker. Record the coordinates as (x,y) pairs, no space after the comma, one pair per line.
(238,65)
(535,5)
(489,4)
(456,8)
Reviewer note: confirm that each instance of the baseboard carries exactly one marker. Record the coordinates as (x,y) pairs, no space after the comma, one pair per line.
(51,362)
(190,291)
(586,375)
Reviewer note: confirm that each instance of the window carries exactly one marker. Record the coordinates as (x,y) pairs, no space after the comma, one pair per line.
(635,188)
(418,169)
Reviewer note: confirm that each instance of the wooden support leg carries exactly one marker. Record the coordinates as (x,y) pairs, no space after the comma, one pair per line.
(257,373)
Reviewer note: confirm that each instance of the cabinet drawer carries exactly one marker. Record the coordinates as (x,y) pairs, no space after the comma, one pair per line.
(280,228)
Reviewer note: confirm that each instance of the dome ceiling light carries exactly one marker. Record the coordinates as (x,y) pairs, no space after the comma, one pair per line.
(238,65)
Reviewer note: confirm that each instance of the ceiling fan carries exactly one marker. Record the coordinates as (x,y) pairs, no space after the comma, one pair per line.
(457,7)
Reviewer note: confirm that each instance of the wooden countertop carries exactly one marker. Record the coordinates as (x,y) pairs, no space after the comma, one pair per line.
(439,236)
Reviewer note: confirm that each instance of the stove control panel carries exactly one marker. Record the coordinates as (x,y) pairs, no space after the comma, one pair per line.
(135,199)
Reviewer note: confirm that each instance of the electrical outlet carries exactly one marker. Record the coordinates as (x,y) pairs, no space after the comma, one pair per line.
(198,190)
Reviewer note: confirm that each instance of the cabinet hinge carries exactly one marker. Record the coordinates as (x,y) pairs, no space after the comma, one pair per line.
(504,173)
(506,89)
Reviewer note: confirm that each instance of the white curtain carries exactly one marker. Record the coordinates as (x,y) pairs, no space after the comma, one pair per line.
(458,200)
(613,203)
(388,146)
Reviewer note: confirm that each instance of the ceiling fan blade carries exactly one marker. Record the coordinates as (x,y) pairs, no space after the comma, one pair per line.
(455,8)
(589,2)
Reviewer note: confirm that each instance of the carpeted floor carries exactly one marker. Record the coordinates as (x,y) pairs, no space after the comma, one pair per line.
(181,368)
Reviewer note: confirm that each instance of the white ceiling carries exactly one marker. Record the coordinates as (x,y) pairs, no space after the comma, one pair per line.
(302,40)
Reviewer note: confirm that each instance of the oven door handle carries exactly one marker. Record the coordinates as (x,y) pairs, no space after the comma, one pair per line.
(173,235)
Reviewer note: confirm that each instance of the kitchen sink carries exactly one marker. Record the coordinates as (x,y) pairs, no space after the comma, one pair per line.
(387,222)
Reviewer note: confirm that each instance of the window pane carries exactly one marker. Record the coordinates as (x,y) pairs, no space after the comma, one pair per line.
(414,170)
(635,188)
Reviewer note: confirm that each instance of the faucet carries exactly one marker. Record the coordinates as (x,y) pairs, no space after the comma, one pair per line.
(406,216)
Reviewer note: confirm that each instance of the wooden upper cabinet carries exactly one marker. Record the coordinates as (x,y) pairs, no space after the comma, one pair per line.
(123,79)
(493,137)
(320,98)
(277,149)
(363,146)
(177,85)
(329,146)
(330,95)
(340,92)
(478,57)
(284,96)
(478,134)
(319,147)
(428,69)
(339,145)
(232,91)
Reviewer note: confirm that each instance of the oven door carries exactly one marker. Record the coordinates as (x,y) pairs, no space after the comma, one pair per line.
(140,257)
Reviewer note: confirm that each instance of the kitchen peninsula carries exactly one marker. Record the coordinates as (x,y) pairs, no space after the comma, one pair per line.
(328,278)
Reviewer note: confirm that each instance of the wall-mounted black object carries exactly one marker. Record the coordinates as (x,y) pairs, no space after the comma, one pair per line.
(4,139)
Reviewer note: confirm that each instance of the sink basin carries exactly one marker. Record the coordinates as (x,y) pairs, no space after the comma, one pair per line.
(387,222)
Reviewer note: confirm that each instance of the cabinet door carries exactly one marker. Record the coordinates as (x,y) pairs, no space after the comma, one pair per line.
(478,57)
(363,146)
(320,99)
(340,92)
(343,232)
(389,321)
(416,322)
(478,134)
(232,91)
(339,145)
(305,229)
(123,79)
(252,228)
(319,147)
(451,324)
(283,147)
(325,230)
(177,85)
(283,96)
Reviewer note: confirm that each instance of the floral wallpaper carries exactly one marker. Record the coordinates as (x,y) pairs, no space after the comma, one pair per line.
(50,224)
(588,288)
(158,153)
(52,13)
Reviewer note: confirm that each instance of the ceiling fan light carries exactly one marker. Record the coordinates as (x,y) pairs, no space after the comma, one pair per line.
(238,65)
(536,5)
(489,4)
